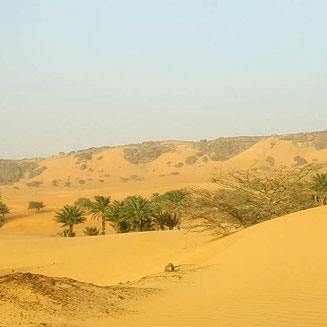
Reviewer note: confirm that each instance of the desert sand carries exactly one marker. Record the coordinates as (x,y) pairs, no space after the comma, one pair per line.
(272,274)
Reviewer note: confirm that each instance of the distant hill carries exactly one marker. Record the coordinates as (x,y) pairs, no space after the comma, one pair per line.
(165,161)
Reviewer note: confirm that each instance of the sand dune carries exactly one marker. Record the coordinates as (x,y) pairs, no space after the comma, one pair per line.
(272,274)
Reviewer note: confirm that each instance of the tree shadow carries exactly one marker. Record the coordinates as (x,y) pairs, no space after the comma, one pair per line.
(13,217)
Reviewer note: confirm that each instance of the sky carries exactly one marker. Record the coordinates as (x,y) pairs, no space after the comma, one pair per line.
(81,73)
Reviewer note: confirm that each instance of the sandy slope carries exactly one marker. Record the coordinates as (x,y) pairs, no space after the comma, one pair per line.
(273,274)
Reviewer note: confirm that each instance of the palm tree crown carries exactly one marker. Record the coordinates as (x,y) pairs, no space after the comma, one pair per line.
(319,186)
(138,211)
(165,218)
(70,216)
(319,182)
(99,208)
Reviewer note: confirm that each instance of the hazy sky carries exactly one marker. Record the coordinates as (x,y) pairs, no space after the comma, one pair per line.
(82,73)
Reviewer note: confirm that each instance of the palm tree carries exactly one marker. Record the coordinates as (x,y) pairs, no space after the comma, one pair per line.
(138,212)
(165,218)
(319,185)
(70,216)
(3,211)
(91,231)
(114,214)
(174,201)
(99,208)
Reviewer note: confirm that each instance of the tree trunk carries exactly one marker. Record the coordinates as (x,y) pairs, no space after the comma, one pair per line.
(103,227)
(179,220)
(316,199)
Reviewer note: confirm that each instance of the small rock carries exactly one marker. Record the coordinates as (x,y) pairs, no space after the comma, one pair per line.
(170,267)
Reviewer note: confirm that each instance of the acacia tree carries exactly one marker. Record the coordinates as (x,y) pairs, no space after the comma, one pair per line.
(238,199)
(99,208)
(319,186)
(38,205)
(70,216)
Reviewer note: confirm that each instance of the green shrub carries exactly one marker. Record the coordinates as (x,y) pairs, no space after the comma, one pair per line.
(34,184)
(179,165)
(83,156)
(37,172)
(83,202)
(4,210)
(300,161)
(91,231)
(67,233)
(191,160)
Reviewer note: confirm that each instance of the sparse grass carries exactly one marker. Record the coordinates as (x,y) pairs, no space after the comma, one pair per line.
(136,178)
(37,172)
(179,165)
(83,166)
(81,156)
(146,152)
(54,182)
(300,161)
(271,161)
(34,184)
(191,160)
